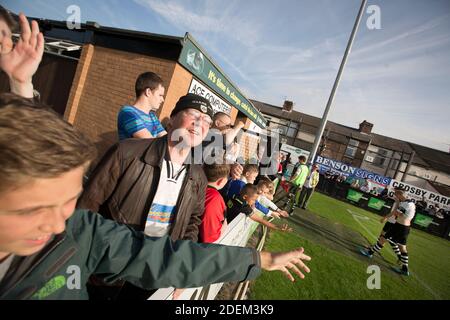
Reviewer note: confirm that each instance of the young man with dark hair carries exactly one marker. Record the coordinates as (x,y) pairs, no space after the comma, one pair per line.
(20,61)
(139,120)
(44,239)
(300,173)
(398,232)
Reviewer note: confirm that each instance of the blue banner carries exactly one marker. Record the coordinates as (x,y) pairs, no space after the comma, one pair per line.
(326,164)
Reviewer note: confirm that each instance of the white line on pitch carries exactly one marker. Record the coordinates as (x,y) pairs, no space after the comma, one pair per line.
(357,217)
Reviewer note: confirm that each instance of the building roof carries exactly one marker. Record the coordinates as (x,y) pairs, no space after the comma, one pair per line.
(424,156)
(168,47)
(435,159)
(144,43)
(442,189)
(48,24)
(304,118)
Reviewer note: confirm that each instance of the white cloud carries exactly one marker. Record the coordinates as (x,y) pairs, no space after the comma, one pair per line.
(415,31)
(199,19)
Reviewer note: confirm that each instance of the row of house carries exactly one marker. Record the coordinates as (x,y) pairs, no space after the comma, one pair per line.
(418,165)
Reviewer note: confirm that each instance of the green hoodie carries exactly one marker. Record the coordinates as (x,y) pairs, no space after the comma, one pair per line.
(94,245)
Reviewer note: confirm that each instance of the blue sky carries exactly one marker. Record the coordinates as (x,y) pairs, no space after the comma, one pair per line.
(397,77)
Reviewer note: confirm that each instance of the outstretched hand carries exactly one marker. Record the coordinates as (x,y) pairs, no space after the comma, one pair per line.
(236,171)
(275,214)
(284,213)
(21,61)
(286,262)
(285,227)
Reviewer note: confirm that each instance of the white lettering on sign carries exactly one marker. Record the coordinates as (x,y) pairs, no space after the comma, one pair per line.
(217,103)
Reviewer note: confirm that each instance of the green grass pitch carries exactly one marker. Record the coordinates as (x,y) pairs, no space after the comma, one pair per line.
(331,232)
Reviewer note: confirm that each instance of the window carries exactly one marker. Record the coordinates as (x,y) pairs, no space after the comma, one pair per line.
(282,126)
(351,148)
(292,130)
(308,137)
(378,156)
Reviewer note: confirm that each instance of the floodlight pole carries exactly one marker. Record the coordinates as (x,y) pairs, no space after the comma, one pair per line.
(336,84)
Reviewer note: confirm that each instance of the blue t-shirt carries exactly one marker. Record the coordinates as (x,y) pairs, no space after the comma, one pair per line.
(234,188)
(131,120)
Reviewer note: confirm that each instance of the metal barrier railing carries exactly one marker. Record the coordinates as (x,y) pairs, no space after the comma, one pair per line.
(237,234)
(243,286)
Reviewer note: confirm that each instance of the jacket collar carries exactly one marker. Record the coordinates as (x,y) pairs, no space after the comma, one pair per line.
(22,266)
(155,153)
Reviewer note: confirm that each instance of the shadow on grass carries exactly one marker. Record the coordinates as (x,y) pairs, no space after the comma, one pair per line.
(335,236)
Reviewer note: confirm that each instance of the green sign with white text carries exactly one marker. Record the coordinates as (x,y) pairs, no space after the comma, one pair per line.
(354,196)
(375,203)
(423,220)
(200,65)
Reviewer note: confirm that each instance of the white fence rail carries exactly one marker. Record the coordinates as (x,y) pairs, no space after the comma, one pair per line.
(237,234)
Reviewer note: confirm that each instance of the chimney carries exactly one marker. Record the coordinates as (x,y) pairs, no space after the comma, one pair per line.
(288,105)
(365,127)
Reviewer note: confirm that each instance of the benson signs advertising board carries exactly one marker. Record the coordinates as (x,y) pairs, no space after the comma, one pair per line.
(335,166)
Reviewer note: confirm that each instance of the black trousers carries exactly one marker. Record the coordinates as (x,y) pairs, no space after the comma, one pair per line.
(305,194)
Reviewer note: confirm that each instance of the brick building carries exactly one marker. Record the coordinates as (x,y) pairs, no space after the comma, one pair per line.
(87,74)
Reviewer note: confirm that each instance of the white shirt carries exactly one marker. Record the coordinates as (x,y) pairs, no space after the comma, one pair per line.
(408,210)
(308,181)
(161,213)
(263,200)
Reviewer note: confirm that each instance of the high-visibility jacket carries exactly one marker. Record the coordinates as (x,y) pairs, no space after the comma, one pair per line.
(301,174)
